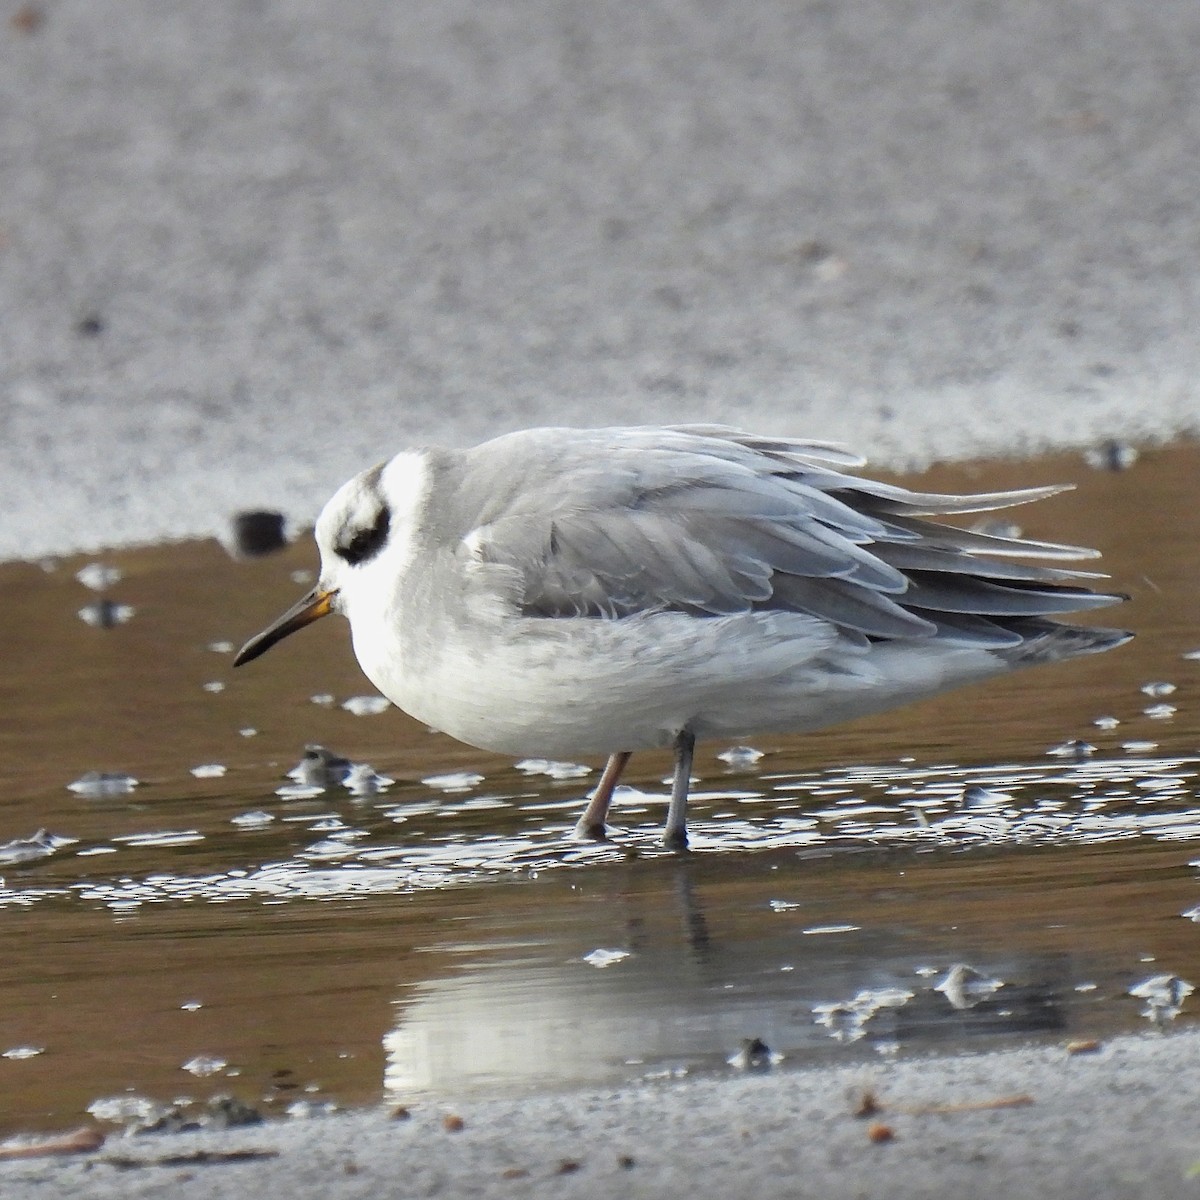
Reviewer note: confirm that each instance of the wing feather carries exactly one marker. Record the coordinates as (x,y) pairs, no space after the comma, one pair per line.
(707,520)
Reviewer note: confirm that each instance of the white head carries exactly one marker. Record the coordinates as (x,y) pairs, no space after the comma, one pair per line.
(365,534)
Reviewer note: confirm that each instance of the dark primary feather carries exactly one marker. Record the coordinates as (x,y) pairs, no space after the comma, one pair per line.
(706,520)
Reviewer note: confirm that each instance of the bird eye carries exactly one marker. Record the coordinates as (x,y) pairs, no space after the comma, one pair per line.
(367,541)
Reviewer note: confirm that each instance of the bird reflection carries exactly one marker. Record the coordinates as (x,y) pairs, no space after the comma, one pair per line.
(659,967)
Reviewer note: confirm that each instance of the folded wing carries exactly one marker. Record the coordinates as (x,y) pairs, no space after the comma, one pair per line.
(710,521)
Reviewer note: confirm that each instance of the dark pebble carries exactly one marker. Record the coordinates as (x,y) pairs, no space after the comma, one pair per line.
(258,532)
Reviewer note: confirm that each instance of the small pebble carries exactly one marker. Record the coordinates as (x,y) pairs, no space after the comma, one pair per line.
(306,1110)
(552,769)
(320,768)
(976,797)
(16,1053)
(1164,995)
(363,780)
(299,791)
(228,1112)
(99,576)
(754,1055)
(28,19)
(30,849)
(100,784)
(1158,689)
(255,819)
(1075,748)
(125,1109)
(965,987)
(455,781)
(1112,456)
(255,533)
(740,756)
(204,1064)
(605,958)
(106,614)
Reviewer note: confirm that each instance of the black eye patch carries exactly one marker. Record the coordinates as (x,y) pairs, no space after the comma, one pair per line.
(367,541)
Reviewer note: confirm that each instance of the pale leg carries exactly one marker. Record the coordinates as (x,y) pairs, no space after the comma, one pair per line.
(592,823)
(675,833)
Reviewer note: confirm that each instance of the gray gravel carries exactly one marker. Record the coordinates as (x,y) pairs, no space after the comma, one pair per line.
(251,246)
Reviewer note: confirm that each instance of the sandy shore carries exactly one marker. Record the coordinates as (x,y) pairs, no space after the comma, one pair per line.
(247,250)
(1115,1123)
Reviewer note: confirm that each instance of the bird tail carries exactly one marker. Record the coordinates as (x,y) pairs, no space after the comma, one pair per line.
(1049,641)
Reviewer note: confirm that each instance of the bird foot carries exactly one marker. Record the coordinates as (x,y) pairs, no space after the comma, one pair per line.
(676,839)
(591,831)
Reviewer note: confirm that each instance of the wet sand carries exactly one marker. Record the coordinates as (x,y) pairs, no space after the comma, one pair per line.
(1109,1124)
(1117,1123)
(448,929)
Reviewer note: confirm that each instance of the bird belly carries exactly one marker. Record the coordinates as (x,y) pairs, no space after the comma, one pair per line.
(577,687)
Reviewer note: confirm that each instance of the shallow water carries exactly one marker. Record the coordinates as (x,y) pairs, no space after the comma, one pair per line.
(434,940)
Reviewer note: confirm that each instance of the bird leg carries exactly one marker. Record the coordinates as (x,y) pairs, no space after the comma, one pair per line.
(675,833)
(592,823)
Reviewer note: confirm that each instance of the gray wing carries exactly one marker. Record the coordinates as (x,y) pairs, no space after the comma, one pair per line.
(707,520)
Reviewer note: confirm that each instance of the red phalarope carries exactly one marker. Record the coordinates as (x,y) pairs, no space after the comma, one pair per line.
(599,591)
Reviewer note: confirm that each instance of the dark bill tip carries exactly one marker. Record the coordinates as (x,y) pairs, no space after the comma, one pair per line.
(310,608)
